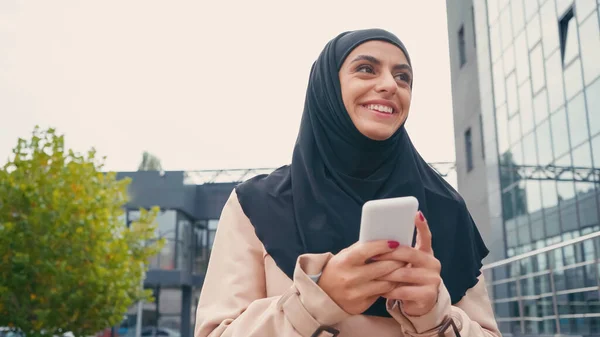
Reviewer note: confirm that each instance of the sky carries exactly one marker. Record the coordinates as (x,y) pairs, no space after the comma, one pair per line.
(200,84)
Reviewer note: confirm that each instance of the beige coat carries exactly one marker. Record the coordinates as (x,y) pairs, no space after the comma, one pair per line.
(246,294)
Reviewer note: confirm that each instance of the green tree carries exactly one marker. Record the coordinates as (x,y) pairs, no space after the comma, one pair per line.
(149,162)
(68,261)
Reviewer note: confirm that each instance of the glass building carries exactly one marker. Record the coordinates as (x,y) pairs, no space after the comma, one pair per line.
(526,101)
(190,206)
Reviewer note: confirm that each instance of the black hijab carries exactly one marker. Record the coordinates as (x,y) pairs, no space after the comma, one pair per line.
(314,205)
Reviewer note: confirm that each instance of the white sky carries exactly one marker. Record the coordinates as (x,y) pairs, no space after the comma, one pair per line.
(200,84)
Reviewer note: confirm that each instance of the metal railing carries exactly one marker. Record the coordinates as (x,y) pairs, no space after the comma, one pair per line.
(552,290)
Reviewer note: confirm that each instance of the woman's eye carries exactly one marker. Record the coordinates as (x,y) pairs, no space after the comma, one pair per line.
(403,77)
(365,69)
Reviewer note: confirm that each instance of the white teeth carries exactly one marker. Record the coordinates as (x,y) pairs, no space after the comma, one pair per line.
(380,108)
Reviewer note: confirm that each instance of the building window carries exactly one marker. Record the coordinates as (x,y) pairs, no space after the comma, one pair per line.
(473,25)
(568,42)
(481,139)
(461,46)
(469,149)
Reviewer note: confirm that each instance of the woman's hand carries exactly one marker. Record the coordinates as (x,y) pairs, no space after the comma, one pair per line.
(353,280)
(418,282)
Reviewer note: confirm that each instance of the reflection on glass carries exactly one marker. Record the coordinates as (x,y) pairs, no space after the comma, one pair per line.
(170,301)
(544,142)
(549,27)
(592,96)
(586,198)
(573,80)
(499,84)
(540,106)
(492,7)
(511,237)
(549,197)
(562,6)
(538,232)
(577,120)
(502,124)
(523,230)
(534,33)
(572,43)
(508,173)
(517,154)
(526,107)
(529,149)
(518,15)
(566,192)
(511,95)
(584,7)
(531,8)
(537,68)
(560,132)
(555,81)
(495,42)
(509,62)
(533,194)
(522,55)
(589,34)
(551,219)
(582,156)
(506,28)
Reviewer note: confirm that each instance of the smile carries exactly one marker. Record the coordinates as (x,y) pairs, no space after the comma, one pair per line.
(380,108)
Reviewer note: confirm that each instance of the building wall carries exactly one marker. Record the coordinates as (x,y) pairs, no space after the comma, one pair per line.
(539,96)
(467,113)
(545,83)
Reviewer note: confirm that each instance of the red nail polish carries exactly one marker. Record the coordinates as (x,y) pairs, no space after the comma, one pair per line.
(421,216)
(393,244)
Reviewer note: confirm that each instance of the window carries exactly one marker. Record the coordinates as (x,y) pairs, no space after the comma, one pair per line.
(469,149)
(589,31)
(568,37)
(461,46)
(473,25)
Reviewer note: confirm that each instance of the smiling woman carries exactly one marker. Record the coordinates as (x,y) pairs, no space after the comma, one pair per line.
(286,261)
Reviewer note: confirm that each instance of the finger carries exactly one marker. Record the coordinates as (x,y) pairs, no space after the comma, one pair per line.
(411,293)
(363,251)
(412,276)
(423,233)
(374,288)
(378,269)
(413,256)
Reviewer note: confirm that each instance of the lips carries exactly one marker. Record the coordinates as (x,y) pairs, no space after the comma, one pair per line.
(380,108)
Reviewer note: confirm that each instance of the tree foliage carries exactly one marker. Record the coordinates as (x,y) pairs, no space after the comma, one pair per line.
(68,261)
(149,162)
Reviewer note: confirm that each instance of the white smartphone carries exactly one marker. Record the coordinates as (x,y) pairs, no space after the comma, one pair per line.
(389,219)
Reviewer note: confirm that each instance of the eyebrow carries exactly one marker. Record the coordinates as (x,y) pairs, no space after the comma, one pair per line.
(369,58)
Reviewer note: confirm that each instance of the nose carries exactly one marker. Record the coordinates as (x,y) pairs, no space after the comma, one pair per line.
(386,84)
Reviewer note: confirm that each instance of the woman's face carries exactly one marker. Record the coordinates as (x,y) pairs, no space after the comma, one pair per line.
(375,80)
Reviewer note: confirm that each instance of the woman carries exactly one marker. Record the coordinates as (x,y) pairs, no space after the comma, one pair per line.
(286,261)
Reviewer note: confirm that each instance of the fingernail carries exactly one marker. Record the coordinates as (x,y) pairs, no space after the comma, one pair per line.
(421,216)
(393,244)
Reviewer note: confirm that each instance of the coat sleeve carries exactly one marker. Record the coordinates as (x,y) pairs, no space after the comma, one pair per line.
(473,315)
(233,300)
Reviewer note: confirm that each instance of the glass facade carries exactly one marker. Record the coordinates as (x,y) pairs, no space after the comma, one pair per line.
(187,248)
(539,68)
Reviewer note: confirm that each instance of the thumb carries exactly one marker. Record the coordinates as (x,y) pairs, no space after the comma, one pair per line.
(423,234)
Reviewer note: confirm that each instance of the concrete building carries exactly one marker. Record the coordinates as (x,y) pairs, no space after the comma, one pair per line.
(526,101)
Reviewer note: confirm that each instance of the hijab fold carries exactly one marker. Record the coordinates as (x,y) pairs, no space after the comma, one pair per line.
(314,205)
